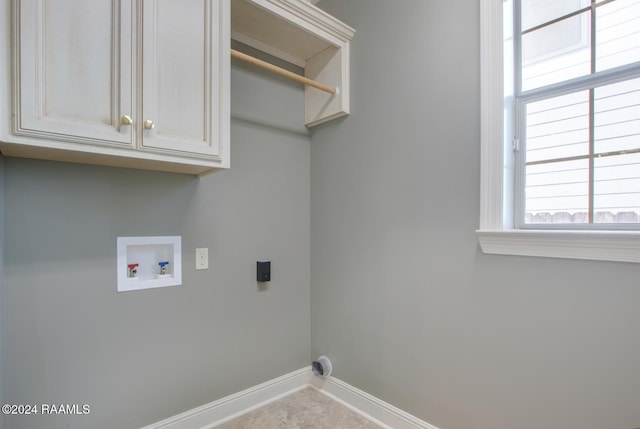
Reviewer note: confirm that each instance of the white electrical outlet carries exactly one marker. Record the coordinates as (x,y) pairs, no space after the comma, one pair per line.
(202,258)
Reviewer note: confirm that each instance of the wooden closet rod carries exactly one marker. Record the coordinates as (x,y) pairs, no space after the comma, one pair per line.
(282,72)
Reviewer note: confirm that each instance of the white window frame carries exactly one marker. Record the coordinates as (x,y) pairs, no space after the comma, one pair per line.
(497,233)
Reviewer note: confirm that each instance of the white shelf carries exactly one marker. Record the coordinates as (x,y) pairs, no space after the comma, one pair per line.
(302,34)
(146,253)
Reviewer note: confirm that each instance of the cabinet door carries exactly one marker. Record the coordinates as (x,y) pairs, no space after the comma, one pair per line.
(74,75)
(185,64)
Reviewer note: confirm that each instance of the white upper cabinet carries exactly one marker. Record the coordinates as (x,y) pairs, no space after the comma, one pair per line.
(135,83)
(145,83)
(74,79)
(180,94)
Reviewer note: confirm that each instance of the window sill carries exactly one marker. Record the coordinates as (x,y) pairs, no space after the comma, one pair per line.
(619,246)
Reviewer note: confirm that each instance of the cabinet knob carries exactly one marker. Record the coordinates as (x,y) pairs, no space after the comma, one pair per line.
(148,124)
(126,120)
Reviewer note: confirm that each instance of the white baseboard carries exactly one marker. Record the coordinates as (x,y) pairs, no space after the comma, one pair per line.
(374,409)
(214,413)
(210,415)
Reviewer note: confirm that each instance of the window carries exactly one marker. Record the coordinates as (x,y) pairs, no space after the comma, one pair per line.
(577,111)
(561,128)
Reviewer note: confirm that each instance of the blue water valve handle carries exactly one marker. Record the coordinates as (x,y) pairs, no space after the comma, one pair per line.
(163,267)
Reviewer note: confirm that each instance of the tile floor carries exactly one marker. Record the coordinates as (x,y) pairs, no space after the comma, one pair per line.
(304,409)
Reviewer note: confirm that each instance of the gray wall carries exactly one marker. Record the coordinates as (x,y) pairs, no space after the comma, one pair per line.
(2,401)
(403,301)
(142,356)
